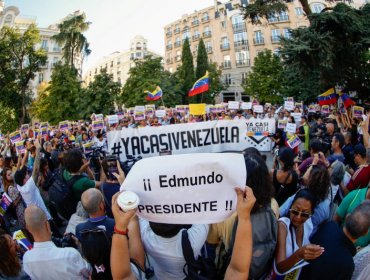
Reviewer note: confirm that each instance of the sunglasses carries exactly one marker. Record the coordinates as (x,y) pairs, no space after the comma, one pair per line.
(304,215)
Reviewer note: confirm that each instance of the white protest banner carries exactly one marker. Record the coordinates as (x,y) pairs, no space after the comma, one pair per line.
(233,105)
(112,119)
(291,128)
(246,105)
(202,137)
(160,113)
(297,117)
(187,189)
(258,108)
(289,105)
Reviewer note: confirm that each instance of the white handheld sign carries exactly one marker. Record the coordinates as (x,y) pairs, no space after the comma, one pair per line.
(291,128)
(187,189)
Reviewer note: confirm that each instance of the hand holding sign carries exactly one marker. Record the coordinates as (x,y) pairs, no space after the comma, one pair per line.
(246,200)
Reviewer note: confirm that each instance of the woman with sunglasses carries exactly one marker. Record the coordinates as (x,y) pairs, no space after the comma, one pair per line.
(293,245)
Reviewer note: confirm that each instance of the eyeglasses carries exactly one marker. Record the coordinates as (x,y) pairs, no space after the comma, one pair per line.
(304,215)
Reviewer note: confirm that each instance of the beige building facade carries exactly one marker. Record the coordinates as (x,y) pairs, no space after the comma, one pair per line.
(10,16)
(232,42)
(119,63)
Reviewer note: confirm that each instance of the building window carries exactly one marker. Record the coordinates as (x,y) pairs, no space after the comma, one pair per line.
(287,33)
(225,44)
(177,42)
(205,17)
(223,24)
(44,44)
(139,54)
(283,16)
(244,77)
(8,20)
(227,79)
(275,35)
(242,58)
(41,77)
(272,18)
(240,39)
(138,46)
(237,19)
(317,7)
(195,21)
(298,11)
(258,37)
(186,33)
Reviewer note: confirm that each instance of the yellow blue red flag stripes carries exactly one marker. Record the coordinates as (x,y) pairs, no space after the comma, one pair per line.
(347,101)
(328,97)
(200,86)
(155,95)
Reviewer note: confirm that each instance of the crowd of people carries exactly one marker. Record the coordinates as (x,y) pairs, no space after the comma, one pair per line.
(305,217)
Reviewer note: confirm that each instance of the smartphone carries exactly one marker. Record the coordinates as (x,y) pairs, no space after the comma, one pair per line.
(112,167)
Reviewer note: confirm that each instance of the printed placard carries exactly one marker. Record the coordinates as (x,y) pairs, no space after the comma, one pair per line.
(131,111)
(325,109)
(294,141)
(64,125)
(357,111)
(20,148)
(36,125)
(312,108)
(97,125)
(44,124)
(246,105)
(150,107)
(99,117)
(289,105)
(282,124)
(299,105)
(88,147)
(233,105)
(139,113)
(5,202)
(36,133)
(187,189)
(120,115)
(25,128)
(149,112)
(290,99)
(15,136)
(112,119)
(180,108)
(197,109)
(258,108)
(22,240)
(44,132)
(160,113)
(297,117)
(291,128)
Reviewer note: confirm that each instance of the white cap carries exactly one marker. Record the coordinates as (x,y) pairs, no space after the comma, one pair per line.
(128,200)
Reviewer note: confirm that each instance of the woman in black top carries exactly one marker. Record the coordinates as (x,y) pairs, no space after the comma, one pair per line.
(284,179)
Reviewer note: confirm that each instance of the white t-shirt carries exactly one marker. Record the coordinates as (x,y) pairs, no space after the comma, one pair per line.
(31,195)
(165,254)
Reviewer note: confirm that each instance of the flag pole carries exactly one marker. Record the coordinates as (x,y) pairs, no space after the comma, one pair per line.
(162,101)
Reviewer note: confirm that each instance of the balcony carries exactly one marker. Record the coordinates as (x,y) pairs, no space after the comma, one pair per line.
(241,43)
(195,37)
(243,63)
(240,26)
(177,44)
(259,41)
(177,30)
(226,65)
(207,34)
(169,60)
(205,19)
(209,49)
(195,23)
(169,33)
(275,39)
(225,47)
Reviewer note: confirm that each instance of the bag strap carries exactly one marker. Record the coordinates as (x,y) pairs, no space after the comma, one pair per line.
(187,250)
(233,234)
(73,180)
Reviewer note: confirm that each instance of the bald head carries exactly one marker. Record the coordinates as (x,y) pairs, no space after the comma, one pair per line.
(330,128)
(91,200)
(358,222)
(35,219)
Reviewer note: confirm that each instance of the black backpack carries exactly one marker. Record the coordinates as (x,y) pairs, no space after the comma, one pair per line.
(201,269)
(60,193)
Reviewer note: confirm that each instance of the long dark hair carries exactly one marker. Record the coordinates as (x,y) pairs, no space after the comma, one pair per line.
(319,182)
(286,156)
(10,265)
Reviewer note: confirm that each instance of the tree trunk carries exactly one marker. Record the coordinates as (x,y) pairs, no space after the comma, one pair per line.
(306,8)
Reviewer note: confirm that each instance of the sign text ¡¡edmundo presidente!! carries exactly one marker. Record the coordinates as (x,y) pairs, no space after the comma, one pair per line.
(187,189)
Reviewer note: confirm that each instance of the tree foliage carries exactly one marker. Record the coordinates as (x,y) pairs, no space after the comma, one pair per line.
(8,120)
(100,96)
(19,62)
(266,79)
(186,71)
(334,49)
(146,76)
(72,39)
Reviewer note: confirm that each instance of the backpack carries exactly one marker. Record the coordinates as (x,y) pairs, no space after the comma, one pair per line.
(60,193)
(201,269)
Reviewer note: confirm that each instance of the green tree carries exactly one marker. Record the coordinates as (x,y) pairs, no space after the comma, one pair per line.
(8,120)
(334,49)
(201,69)
(186,71)
(72,39)
(41,106)
(59,100)
(100,96)
(21,61)
(266,79)
(146,75)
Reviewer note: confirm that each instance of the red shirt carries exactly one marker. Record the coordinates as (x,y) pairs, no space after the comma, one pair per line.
(360,178)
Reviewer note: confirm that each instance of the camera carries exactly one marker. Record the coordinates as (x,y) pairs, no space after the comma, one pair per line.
(65,241)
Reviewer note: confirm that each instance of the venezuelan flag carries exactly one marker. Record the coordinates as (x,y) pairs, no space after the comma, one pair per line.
(155,95)
(328,97)
(347,101)
(200,86)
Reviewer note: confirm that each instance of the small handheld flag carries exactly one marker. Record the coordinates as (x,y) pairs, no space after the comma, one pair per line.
(347,101)
(200,86)
(328,97)
(155,95)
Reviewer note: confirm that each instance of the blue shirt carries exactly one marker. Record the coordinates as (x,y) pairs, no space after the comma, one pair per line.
(93,223)
(334,157)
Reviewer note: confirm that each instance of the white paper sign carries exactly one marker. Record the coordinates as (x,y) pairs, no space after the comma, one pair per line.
(160,113)
(187,189)
(258,108)
(297,117)
(113,119)
(233,105)
(289,105)
(246,105)
(291,128)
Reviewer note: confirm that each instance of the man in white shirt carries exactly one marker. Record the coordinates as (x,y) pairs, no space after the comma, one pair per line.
(162,242)
(45,260)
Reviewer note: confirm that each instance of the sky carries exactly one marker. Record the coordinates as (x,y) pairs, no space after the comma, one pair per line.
(113,22)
